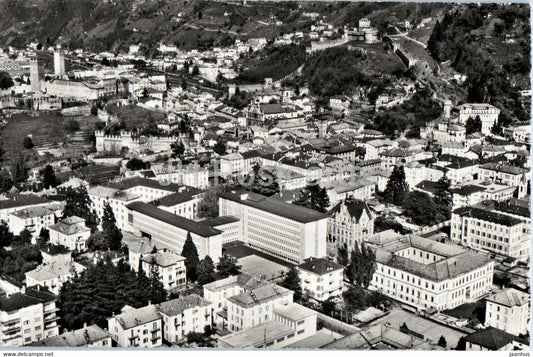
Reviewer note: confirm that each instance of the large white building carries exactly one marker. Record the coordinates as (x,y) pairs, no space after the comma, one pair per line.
(27,317)
(137,327)
(182,316)
(505,174)
(284,230)
(430,275)
(169,231)
(486,112)
(495,232)
(34,219)
(508,310)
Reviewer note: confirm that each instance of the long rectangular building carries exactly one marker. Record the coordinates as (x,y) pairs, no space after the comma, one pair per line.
(287,231)
(430,275)
(167,230)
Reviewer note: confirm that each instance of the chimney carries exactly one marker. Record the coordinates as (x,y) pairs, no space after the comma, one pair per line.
(149,302)
(23,289)
(85,325)
(38,287)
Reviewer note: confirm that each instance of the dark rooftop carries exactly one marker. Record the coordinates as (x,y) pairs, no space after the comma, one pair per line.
(275,206)
(320,266)
(22,200)
(355,208)
(214,222)
(141,181)
(34,295)
(489,216)
(468,190)
(490,338)
(172,219)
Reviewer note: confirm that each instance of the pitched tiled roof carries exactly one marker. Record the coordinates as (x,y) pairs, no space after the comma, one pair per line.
(141,181)
(22,200)
(510,298)
(34,295)
(355,208)
(137,317)
(163,259)
(488,216)
(320,266)
(490,338)
(77,338)
(177,306)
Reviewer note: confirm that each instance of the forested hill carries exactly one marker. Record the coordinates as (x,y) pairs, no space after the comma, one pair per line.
(113,25)
(490,44)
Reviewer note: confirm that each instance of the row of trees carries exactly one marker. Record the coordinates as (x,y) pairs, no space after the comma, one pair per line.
(103,289)
(419,206)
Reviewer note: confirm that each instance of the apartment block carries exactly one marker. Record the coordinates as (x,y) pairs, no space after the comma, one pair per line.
(281,229)
(321,278)
(508,310)
(136,327)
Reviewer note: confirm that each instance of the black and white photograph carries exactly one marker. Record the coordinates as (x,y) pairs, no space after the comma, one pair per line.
(282,175)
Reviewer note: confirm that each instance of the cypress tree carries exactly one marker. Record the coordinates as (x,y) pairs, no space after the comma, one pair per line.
(190,253)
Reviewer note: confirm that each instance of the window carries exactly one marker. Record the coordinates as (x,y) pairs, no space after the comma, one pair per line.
(301,331)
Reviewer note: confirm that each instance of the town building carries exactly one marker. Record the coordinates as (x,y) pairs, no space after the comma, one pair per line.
(169,231)
(429,275)
(56,269)
(506,174)
(290,323)
(170,268)
(33,219)
(28,316)
(70,232)
(230,226)
(88,336)
(493,339)
(486,112)
(321,278)
(184,315)
(508,310)
(284,230)
(350,222)
(136,327)
(495,232)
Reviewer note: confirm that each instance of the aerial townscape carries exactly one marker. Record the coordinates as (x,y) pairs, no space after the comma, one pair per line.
(261,174)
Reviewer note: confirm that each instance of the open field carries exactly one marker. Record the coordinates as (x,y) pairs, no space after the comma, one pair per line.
(48,130)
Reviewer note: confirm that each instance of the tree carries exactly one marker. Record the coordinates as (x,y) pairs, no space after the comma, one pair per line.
(49,177)
(496,129)
(354,298)
(195,70)
(206,271)
(24,237)
(264,182)
(101,290)
(178,148)
(362,265)
(473,125)
(420,207)
(220,147)
(442,342)
(328,306)
(6,81)
(111,232)
(190,253)
(396,186)
(313,197)
(227,266)
(77,203)
(461,344)
(137,164)
(208,206)
(28,143)
(157,289)
(292,282)
(72,125)
(6,237)
(342,255)
(44,236)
